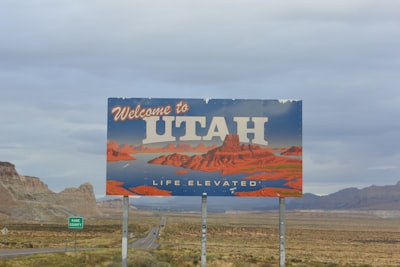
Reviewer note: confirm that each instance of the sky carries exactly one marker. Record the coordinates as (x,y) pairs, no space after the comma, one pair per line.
(61,60)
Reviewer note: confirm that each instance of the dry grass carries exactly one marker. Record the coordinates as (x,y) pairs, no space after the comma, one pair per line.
(312,239)
(233,240)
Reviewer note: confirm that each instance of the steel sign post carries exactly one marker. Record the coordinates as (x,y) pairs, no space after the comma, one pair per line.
(125,231)
(282,233)
(75,223)
(204,230)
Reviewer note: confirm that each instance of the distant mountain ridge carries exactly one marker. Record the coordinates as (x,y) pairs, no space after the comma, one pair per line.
(28,198)
(374,198)
(370,198)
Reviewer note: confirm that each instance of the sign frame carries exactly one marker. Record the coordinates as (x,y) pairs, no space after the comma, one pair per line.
(162,147)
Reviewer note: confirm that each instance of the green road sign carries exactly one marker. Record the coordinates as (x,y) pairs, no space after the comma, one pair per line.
(75,223)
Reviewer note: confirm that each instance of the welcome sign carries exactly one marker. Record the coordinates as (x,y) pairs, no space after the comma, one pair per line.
(187,147)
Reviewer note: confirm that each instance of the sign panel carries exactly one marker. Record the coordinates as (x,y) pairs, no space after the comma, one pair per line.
(187,147)
(75,223)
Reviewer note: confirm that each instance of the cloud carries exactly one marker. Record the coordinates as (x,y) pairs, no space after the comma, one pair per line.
(382,168)
(60,62)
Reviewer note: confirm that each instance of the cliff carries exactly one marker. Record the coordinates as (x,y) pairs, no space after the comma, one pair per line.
(117,152)
(231,157)
(28,198)
(293,151)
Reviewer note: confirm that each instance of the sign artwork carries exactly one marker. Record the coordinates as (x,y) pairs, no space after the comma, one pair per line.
(187,147)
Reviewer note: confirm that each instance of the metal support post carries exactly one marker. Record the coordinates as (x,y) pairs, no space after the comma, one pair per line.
(282,232)
(125,231)
(203,229)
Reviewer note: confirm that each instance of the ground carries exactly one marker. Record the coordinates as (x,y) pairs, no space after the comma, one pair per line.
(233,239)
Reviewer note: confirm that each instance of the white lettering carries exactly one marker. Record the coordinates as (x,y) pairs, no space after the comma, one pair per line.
(127,113)
(217,128)
(258,130)
(151,130)
(208,183)
(166,182)
(190,123)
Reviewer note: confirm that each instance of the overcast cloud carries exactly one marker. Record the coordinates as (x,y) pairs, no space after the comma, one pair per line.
(61,60)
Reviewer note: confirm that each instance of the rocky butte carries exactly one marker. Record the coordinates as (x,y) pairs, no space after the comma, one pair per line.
(28,198)
(231,157)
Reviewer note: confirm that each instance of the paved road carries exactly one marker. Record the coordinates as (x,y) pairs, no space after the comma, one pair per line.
(11,253)
(148,242)
(151,240)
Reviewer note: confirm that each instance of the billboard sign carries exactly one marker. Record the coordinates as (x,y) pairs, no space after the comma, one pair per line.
(187,147)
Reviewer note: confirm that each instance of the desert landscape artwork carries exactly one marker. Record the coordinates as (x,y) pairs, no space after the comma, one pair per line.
(171,147)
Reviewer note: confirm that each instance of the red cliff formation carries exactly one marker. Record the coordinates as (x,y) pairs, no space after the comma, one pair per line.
(115,153)
(293,151)
(232,157)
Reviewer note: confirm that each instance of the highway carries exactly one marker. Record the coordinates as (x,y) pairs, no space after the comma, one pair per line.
(150,241)
(11,253)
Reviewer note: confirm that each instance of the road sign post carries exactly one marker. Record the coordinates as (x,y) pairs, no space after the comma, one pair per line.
(282,233)
(125,222)
(75,223)
(204,230)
